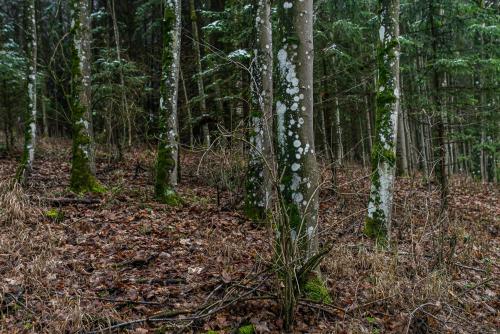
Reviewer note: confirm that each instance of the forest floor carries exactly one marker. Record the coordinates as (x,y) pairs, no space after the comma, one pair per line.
(202,266)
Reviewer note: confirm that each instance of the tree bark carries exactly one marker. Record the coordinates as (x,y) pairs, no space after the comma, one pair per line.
(199,80)
(168,147)
(297,166)
(83,165)
(261,169)
(122,77)
(378,221)
(188,110)
(26,164)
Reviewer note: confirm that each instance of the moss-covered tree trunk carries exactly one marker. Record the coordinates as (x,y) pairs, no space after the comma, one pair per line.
(297,230)
(82,166)
(199,79)
(168,146)
(28,156)
(261,169)
(387,108)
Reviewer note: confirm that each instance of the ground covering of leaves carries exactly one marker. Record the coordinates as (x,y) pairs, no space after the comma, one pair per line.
(80,268)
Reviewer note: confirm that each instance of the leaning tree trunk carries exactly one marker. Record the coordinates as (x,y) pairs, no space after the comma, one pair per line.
(199,79)
(28,156)
(167,163)
(297,228)
(378,220)
(82,169)
(261,160)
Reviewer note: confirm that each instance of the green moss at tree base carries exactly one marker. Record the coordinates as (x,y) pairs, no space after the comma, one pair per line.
(86,183)
(168,196)
(254,212)
(315,289)
(375,228)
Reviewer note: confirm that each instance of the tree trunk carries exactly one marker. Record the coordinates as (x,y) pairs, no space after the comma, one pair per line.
(188,110)
(199,79)
(440,152)
(261,170)
(122,77)
(368,122)
(297,166)
(168,148)
(402,144)
(378,221)
(26,164)
(83,166)
(338,129)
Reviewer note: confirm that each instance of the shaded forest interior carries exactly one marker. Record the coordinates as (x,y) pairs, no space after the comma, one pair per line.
(230,166)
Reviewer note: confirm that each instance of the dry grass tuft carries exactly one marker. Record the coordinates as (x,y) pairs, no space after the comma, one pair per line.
(14,203)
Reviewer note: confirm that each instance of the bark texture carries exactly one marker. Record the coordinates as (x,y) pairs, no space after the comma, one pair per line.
(387,108)
(83,166)
(261,169)
(297,166)
(26,164)
(168,148)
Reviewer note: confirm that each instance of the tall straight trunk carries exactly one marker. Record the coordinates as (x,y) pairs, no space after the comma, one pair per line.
(116,31)
(368,122)
(378,221)
(83,166)
(423,148)
(483,158)
(338,129)
(167,162)
(26,164)
(403,135)
(188,110)
(261,170)
(322,125)
(440,150)
(402,144)
(298,190)
(45,118)
(199,79)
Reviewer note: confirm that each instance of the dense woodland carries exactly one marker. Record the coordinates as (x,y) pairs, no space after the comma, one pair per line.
(228,166)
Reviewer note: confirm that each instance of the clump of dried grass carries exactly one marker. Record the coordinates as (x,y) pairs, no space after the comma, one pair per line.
(14,205)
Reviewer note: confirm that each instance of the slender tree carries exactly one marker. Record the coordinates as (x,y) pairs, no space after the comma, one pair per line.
(261,157)
(199,68)
(128,116)
(28,156)
(296,157)
(83,166)
(167,163)
(387,108)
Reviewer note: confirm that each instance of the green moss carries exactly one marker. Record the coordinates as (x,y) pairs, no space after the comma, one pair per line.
(169,197)
(212,332)
(252,211)
(247,329)
(55,215)
(375,228)
(315,289)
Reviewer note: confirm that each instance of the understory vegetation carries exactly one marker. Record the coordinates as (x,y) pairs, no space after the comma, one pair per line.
(127,257)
